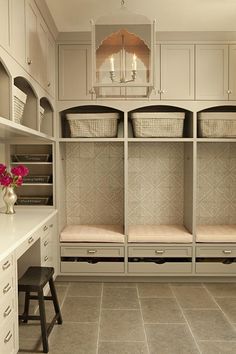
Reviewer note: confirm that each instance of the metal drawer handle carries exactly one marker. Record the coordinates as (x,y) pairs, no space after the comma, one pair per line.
(7,311)
(6,265)
(92,251)
(29,61)
(6,288)
(8,337)
(45,243)
(159,251)
(48,84)
(30,240)
(45,228)
(229,92)
(227,251)
(45,258)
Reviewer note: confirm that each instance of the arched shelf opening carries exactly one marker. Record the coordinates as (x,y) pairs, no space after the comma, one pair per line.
(5,91)
(65,131)
(184,131)
(29,118)
(46,114)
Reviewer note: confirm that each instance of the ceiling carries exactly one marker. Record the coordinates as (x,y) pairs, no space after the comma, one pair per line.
(171,15)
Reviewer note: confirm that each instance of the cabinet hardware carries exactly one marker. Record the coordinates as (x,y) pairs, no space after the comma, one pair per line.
(45,243)
(7,311)
(30,240)
(51,225)
(159,251)
(45,228)
(227,251)
(92,251)
(45,258)
(6,265)
(6,288)
(8,337)
(160,91)
(49,84)
(229,92)
(29,61)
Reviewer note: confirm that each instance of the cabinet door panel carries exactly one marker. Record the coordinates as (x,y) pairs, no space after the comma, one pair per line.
(51,64)
(232,72)
(18,31)
(212,72)
(74,72)
(5,23)
(157,79)
(177,72)
(42,51)
(32,41)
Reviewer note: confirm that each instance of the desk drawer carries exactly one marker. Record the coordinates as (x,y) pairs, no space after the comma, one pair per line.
(165,268)
(92,251)
(87,267)
(220,251)
(27,244)
(7,307)
(6,286)
(7,337)
(6,267)
(159,251)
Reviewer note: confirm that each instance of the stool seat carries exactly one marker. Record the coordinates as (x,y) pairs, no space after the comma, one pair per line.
(35,278)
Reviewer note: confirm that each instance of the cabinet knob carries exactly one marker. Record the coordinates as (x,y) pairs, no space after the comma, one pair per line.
(30,240)
(45,258)
(6,288)
(229,92)
(29,61)
(160,91)
(7,311)
(45,228)
(6,265)
(48,84)
(45,243)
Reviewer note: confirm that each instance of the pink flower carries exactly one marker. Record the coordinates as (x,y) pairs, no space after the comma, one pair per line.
(19,181)
(2,169)
(20,170)
(5,181)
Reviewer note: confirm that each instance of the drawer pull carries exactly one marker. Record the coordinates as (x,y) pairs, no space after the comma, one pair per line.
(6,265)
(45,228)
(8,337)
(7,311)
(92,251)
(29,61)
(30,240)
(45,258)
(51,225)
(227,251)
(45,243)
(159,251)
(6,288)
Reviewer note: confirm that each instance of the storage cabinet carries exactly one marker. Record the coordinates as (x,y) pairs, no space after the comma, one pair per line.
(74,72)
(5,23)
(18,41)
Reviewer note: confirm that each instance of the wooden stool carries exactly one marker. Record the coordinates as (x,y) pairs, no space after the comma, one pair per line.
(34,280)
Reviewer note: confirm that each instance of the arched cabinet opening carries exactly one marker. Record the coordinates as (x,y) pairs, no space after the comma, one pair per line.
(92,121)
(5,92)
(160,122)
(25,106)
(46,114)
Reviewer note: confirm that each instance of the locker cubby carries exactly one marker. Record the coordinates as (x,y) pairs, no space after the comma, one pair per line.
(5,92)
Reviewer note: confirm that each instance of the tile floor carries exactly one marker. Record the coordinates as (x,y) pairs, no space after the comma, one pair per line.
(140,318)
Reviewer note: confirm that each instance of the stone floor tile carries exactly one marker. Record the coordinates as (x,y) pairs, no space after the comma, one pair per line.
(154,290)
(161,310)
(191,297)
(81,309)
(119,285)
(170,339)
(120,298)
(228,306)
(212,347)
(122,348)
(188,284)
(222,289)
(121,325)
(84,289)
(210,325)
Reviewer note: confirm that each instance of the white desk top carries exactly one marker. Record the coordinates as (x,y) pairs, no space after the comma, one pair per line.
(15,229)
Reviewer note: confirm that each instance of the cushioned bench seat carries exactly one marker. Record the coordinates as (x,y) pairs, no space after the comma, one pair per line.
(159,233)
(92,233)
(216,233)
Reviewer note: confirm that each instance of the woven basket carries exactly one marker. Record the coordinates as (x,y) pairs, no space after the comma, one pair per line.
(96,125)
(158,124)
(217,125)
(41,115)
(19,104)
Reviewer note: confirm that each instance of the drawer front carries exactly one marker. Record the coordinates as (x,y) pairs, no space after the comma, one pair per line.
(160,251)
(7,308)
(6,267)
(92,251)
(7,337)
(223,251)
(215,268)
(154,268)
(47,228)
(6,286)
(47,260)
(100,267)
(27,244)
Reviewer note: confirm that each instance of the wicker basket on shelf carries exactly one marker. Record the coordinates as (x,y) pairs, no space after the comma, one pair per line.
(217,125)
(19,104)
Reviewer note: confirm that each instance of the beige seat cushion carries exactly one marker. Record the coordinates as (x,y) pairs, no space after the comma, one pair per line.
(159,233)
(216,233)
(92,233)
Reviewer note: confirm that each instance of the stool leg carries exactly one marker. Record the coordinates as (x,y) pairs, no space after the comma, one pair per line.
(55,301)
(43,321)
(26,307)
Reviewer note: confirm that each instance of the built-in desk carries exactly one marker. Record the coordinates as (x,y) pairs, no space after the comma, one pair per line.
(26,238)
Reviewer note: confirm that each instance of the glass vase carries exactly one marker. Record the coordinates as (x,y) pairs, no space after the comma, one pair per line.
(9,198)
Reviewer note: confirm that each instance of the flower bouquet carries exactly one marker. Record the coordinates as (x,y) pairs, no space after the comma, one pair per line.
(9,180)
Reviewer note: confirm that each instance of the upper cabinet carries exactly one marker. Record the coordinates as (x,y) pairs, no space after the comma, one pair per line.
(5,21)
(232,72)
(51,62)
(18,31)
(212,72)
(74,72)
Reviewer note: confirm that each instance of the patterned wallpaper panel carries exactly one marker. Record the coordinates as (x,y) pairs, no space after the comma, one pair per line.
(216,183)
(94,183)
(156,183)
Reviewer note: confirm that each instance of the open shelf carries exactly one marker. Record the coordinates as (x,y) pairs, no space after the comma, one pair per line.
(46,120)
(5,92)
